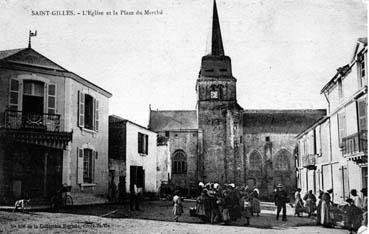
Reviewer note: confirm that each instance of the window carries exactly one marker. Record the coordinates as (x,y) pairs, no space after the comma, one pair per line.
(362,114)
(282,160)
(51,99)
(340,90)
(88,110)
(143,143)
(179,162)
(341,126)
(87,166)
(33,88)
(13,94)
(255,161)
(361,69)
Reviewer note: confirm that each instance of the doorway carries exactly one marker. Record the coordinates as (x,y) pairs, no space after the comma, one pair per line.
(137,176)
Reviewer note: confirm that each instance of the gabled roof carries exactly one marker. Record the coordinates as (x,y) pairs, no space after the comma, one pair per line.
(29,58)
(6,53)
(341,72)
(280,121)
(166,120)
(118,119)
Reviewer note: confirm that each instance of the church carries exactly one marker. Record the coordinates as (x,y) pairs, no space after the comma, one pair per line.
(220,141)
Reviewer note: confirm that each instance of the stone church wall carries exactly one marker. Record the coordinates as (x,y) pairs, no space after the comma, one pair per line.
(269,146)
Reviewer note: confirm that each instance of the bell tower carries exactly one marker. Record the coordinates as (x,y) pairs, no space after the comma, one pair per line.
(217,107)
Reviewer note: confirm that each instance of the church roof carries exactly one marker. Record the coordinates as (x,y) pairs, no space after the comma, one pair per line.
(280,121)
(166,120)
(216,36)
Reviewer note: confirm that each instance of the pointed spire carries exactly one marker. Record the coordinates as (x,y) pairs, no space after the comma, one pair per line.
(216,37)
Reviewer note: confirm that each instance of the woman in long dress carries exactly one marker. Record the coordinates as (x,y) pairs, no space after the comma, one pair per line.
(298,202)
(200,204)
(245,204)
(310,201)
(255,202)
(325,212)
(177,206)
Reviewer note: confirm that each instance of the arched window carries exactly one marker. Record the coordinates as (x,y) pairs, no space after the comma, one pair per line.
(179,163)
(282,160)
(255,161)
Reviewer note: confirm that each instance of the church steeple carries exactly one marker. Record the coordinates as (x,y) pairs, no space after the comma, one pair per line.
(216,36)
(216,64)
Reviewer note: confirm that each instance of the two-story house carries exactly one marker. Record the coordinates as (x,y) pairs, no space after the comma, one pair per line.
(339,151)
(135,158)
(53,130)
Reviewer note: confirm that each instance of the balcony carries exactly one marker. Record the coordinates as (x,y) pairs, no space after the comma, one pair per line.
(32,121)
(355,144)
(309,161)
(32,128)
(355,147)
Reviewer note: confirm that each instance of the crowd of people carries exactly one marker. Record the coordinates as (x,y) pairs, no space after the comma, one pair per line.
(222,203)
(226,203)
(353,213)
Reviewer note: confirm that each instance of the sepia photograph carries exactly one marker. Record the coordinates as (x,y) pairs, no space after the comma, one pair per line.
(183,116)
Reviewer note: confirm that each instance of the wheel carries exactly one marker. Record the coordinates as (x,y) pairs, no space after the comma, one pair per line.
(68,201)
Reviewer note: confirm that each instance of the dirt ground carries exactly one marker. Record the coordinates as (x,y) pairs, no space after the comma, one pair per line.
(155,217)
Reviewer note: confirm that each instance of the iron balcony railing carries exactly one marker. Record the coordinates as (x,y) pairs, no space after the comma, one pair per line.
(309,160)
(355,143)
(32,121)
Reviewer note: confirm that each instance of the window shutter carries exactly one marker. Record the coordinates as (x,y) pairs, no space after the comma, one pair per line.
(94,157)
(139,142)
(341,127)
(362,113)
(14,94)
(79,166)
(96,115)
(146,144)
(81,109)
(51,99)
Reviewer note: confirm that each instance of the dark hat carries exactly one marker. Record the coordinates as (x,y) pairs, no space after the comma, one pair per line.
(330,190)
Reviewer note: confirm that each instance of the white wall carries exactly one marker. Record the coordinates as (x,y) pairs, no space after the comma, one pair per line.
(148,162)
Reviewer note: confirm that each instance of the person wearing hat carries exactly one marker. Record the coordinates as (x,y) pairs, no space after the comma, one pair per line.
(280,199)
(352,218)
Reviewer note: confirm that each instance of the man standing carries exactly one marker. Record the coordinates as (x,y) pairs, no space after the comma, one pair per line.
(280,199)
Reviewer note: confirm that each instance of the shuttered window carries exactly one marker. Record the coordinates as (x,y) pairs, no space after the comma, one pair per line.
(13,94)
(88,111)
(362,114)
(51,99)
(86,165)
(341,126)
(81,109)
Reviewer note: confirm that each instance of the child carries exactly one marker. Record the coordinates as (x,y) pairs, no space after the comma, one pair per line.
(177,206)
(21,204)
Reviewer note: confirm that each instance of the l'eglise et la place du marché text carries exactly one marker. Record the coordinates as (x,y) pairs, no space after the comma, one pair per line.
(94,12)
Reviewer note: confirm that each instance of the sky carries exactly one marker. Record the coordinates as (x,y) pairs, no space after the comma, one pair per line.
(283,52)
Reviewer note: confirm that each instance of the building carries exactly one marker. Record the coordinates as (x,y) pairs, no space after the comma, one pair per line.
(220,141)
(134,158)
(53,130)
(333,151)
